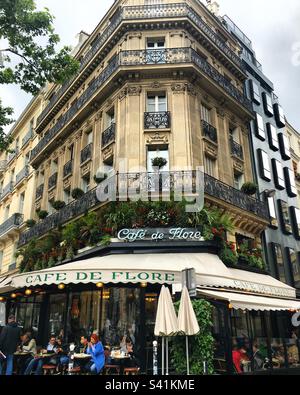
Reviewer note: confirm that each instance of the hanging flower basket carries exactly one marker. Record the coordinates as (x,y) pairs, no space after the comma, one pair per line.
(159,162)
(249,188)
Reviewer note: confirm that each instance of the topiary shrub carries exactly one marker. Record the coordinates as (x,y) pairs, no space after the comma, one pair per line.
(159,162)
(58,205)
(77,193)
(98,180)
(30,223)
(42,214)
(249,188)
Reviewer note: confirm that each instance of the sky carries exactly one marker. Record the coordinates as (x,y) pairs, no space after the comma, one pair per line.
(272,25)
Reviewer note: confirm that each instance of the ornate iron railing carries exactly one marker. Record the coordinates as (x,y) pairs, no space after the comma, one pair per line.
(68,168)
(173,10)
(157,120)
(86,153)
(209,131)
(3,165)
(150,183)
(39,191)
(27,137)
(109,135)
(12,155)
(236,149)
(138,58)
(13,222)
(52,182)
(22,174)
(7,190)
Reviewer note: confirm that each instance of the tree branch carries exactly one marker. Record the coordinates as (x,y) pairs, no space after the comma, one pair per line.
(20,55)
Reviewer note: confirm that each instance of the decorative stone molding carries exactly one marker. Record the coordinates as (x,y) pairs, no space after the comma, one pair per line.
(211,150)
(98,115)
(238,166)
(134,90)
(51,194)
(191,90)
(67,183)
(155,85)
(178,88)
(108,154)
(157,138)
(220,112)
(86,169)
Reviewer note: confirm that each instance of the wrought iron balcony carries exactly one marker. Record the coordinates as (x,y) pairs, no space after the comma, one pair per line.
(209,131)
(13,222)
(22,174)
(27,137)
(12,155)
(139,58)
(39,192)
(109,135)
(68,169)
(52,182)
(236,149)
(157,120)
(3,165)
(140,12)
(7,190)
(86,153)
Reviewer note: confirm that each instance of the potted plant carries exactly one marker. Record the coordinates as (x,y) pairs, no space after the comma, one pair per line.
(249,188)
(30,223)
(159,162)
(77,193)
(42,214)
(98,180)
(58,205)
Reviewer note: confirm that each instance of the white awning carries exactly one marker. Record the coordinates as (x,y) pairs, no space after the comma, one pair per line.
(6,284)
(251,302)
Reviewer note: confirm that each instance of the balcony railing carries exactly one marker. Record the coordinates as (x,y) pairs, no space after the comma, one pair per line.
(13,222)
(39,191)
(3,165)
(7,190)
(27,137)
(68,169)
(157,120)
(139,58)
(209,131)
(175,10)
(12,155)
(150,183)
(86,153)
(52,182)
(109,135)
(236,149)
(22,174)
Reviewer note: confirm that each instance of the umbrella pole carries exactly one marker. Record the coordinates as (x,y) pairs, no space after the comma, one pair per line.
(162,356)
(167,358)
(187,355)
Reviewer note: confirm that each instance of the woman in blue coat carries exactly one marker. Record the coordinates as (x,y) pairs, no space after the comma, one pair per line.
(96,350)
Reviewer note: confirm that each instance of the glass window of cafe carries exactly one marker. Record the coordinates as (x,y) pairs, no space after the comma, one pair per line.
(263,340)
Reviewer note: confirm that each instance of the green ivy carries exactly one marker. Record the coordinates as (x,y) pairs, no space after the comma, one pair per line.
(201,346)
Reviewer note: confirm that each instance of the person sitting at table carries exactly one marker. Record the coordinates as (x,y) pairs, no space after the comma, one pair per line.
(96,350)
(36,364)
(84,342)
(28,345)
(62,351)
(133,361)
(239,355)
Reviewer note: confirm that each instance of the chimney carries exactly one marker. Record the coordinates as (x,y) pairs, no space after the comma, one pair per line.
(81,38)
(213,7)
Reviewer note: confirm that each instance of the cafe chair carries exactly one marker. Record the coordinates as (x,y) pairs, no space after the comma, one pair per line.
(49,369)
(131,371)
(111,369)
(75,370)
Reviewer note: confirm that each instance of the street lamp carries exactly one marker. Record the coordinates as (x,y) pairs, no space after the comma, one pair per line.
(268,193)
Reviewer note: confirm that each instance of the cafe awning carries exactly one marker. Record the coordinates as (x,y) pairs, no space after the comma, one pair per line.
(6,284)
(240,301)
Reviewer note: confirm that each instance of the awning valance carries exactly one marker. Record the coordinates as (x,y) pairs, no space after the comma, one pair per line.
(6,284)
(240,301)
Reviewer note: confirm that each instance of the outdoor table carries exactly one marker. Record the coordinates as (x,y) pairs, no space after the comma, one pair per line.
(82,356)
(18,356)
(120,360)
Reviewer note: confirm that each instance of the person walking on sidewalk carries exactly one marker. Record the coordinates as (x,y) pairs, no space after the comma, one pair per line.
(9,340)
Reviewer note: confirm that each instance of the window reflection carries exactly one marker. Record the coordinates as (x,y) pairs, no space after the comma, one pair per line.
(57,314)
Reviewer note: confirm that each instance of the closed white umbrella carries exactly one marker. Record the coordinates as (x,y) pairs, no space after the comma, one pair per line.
(166,324)
(187,321)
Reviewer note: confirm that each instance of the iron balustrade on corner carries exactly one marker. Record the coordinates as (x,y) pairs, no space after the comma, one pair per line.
(14,221)
(3,164)
(236,149)
(86,153)
(157,120)
(209,131)
(24,173)
(52,182)
(39,192)
(7,189)
(109,135)
(68,168)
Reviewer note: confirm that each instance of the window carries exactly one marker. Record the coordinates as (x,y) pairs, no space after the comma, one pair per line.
(290,182)
(31,125)
(110,117)
(284,146)
(157,152)
(278,258)
(279,115)
(209,166)
(17,145)
(89,137)
(234,133)
(255,92)
(21,203)
(155,43)
(50,208)
(206,113)
(272,212)
(260,127)
(268,106)
(85,184)
(156,103)
(285,217)
(6,213)
(26,159)
(273,138)
(264,162)
(12,175)
(67,196)
(238,181)
(54,166)
(278,174)
(294,264)
(71,152)
(295,212)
